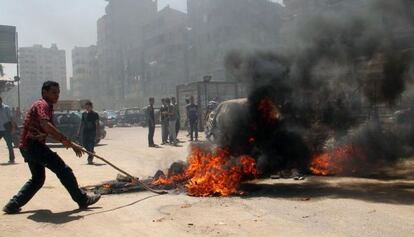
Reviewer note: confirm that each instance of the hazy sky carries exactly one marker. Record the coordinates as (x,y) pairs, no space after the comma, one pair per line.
(66,23)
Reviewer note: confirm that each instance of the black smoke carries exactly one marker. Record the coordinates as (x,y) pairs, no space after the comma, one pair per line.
(337,69)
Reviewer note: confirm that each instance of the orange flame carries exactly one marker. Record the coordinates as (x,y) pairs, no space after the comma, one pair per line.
(337,161)
(270,113)
(213,173)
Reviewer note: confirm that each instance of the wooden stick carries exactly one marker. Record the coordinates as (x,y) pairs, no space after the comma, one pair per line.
(124,172)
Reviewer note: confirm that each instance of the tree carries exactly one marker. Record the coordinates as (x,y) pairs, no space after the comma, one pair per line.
(1,71)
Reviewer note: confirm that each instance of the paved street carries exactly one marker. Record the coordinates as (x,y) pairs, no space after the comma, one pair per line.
(318,206)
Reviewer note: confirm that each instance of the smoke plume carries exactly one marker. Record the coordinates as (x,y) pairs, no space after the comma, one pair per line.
(338,68)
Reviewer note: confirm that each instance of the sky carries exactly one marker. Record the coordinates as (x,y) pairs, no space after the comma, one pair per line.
(66,23)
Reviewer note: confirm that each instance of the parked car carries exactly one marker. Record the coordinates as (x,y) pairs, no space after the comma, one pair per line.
(108,118)
(68,123)
(111,118)
(220,122)
(131,116)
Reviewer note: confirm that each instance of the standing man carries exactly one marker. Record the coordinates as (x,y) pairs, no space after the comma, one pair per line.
(7,128)
(90,129)
(192,116)
(172,121)
(164,121)
(37,126)
(17,121)
(178,119)
(186,123)
(18,116)
(151,122)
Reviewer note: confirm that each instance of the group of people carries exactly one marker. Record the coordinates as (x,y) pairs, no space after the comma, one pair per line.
(38,125)
(170,120)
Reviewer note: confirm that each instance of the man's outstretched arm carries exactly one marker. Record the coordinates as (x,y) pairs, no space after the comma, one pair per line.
(50,129)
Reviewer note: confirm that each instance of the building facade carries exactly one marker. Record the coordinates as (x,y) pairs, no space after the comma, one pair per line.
(166,54)
(84,82)
(219,27)
(37,65)
(144,52)
(119,46)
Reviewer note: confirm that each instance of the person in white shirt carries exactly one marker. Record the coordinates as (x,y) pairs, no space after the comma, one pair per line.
(7,128)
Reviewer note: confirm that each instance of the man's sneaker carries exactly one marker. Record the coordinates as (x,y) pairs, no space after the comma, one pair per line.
(10,208)
(90,200)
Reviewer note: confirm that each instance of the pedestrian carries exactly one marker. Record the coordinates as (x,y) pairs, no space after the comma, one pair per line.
(172,120)
(17,120)
(192,116)
(164,121)
(211,106)
(13,112)
(7,128)
(186,123)
(178,119)
(18,116)
(37,126)
(151,122)
(89,127)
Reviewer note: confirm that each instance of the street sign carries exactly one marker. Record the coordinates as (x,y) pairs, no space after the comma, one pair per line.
(8,49)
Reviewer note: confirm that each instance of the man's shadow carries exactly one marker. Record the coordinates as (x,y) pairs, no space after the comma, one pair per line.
(95,164)
(47,216)
(8,164)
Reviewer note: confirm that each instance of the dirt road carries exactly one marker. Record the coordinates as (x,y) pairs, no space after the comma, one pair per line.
(317,206)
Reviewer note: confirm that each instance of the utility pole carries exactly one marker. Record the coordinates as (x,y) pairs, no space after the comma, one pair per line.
(17,77)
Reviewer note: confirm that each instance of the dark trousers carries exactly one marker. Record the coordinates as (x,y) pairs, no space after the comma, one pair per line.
(193,129)
(151,131)
(164,131)
(39,157)
(177,127)
(88,141)
(9,141)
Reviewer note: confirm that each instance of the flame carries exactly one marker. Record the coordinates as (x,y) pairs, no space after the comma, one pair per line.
(337,161)
(213,173)
(268,110)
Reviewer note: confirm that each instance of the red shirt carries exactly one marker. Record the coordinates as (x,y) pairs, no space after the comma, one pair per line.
(40,110)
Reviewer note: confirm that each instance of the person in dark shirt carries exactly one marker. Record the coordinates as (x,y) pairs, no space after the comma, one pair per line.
(186,123)
(172,121)
(192,116)
(178,121)
(38,124)
(151,122)
(164,121)
(90,129)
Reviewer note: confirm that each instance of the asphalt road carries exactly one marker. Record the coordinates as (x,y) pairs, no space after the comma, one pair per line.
(318,206)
